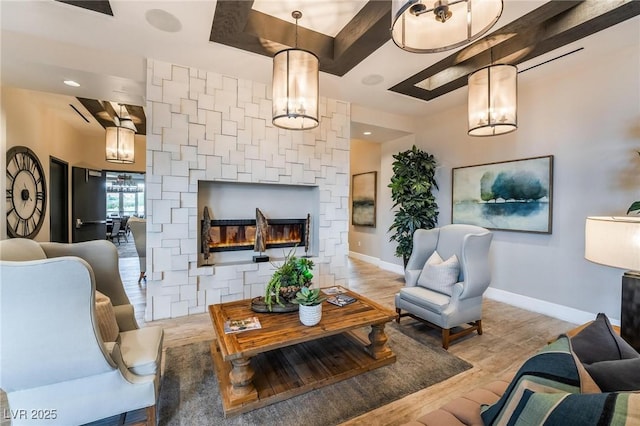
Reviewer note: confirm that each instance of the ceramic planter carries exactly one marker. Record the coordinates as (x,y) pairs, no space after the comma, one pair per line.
(310,315)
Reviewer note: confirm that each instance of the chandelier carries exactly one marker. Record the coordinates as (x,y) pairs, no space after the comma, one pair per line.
(493,108)
(427,26)
(295,87)
(120,140)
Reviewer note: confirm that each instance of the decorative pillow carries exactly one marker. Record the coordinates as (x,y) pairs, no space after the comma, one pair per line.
(440,275)
(562,409)
(106,317)
(617,375)
(599,342)
(555,369)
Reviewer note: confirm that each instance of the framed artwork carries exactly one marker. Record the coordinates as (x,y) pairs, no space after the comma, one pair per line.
(363,199)
(509,196)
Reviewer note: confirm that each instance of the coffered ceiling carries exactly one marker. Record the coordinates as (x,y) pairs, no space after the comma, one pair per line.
(104,45)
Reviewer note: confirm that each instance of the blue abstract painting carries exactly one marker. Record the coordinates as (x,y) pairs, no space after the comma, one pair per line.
(511,195)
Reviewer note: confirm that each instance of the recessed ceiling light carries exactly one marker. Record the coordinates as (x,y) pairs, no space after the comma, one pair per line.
(163,20)
(366,133)
(71,83)
(372,79)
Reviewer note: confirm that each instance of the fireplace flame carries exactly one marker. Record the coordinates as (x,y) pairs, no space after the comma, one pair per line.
(243,236)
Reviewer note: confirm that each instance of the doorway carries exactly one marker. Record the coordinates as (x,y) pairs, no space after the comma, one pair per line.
(58,200)
(88,205)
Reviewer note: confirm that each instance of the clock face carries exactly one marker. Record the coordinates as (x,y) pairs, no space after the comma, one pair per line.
(26,193)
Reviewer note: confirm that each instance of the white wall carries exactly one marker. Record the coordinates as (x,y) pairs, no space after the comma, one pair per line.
(365,240)
(589,119)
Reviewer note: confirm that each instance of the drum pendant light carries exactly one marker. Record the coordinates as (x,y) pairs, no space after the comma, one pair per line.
(120,141)
(295,87)
(428,26)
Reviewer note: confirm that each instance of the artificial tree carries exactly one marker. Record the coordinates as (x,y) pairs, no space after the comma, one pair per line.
(411,191)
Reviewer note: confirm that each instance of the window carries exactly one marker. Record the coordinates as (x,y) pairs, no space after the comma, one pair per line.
(125,194)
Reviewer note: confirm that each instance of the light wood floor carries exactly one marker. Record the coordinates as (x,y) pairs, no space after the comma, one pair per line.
(510,336)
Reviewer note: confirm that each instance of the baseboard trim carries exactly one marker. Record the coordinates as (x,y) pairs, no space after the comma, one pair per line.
(387,266)
(551,309)
(392,267)
(365,258)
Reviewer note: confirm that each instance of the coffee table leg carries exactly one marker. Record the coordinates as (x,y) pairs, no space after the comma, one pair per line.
(378,347)
(241,377)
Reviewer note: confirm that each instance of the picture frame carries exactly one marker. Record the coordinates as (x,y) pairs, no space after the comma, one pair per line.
(363,199)
(512,195)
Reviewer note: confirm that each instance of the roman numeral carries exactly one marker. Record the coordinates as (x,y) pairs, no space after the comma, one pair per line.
(40,195)
(25,226)
(9,194)
(19,159)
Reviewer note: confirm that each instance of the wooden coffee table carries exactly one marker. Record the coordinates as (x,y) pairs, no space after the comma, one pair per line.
(284,358)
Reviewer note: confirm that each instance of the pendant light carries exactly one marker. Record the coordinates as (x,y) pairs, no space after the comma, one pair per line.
(493,97)
(120,140)
(295,87)
(428,26)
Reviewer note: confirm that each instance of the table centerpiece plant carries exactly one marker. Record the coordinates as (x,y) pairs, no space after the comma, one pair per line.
(288,279)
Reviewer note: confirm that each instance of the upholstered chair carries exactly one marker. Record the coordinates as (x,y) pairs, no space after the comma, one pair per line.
(62,353)
(139,230)
(446,275)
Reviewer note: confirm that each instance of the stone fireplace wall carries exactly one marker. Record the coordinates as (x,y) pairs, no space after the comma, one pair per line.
(204,126)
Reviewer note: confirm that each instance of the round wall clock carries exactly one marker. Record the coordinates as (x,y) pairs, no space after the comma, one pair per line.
(26,193)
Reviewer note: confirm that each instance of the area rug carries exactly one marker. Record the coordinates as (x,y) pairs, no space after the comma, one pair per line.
(189,394)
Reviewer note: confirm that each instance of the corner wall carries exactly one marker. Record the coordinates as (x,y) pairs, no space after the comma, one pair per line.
(365,240)
(206,126)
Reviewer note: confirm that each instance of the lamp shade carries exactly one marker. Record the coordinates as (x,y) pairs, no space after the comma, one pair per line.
(120,145)
(428,26)
(295,89)
(613,241)
(493,100)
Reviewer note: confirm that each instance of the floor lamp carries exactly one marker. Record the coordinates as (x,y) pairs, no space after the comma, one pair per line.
(615,241)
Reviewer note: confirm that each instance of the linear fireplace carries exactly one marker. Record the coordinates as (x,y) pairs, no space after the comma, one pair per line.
(239,234)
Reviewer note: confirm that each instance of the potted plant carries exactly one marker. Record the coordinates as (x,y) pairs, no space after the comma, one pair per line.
(288,278)
(310,302)
(411,190)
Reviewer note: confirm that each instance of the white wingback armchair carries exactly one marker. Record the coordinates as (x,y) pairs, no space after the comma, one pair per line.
(440,294)
(53,355)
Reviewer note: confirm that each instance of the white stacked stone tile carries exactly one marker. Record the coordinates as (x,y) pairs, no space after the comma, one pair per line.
(206,126)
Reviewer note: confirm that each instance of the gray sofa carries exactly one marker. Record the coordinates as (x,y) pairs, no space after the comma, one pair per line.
(56,365)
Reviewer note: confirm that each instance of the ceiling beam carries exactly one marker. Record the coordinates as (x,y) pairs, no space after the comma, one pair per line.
(236,24)
(100,6)
(106,115)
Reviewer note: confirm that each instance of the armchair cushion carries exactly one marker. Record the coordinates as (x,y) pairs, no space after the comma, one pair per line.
(440,275)
(141,350)
(425,298)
